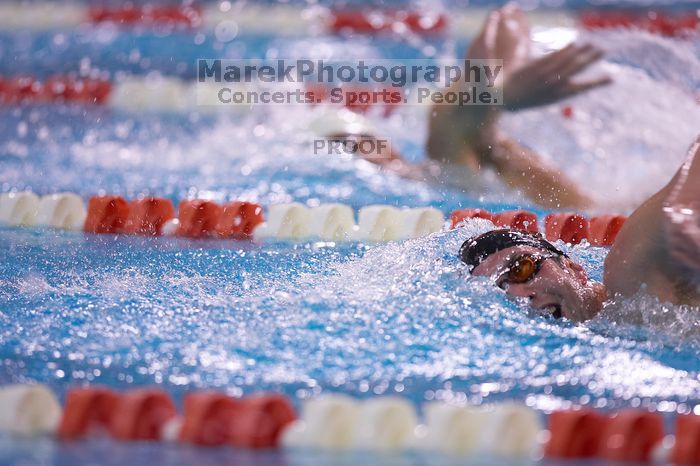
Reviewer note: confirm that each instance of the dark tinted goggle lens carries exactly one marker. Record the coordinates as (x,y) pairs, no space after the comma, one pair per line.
(523,268)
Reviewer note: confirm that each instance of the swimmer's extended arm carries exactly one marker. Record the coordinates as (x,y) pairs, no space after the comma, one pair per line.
(659,246)
(468,135)
(681,211)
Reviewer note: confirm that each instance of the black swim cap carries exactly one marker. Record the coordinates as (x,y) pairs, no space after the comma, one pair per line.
(475,250)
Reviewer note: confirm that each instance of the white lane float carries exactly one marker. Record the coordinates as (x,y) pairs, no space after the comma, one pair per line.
(173,95)
(41,15)
(385,424)
(419,222)
(505,430)
(285,221)
(281,19)
(378,223)
(332,222)
(510,430)
(211,97)
(327,422)
(61,210)
(451,429)
(28,410)
(136,94)
(19,208)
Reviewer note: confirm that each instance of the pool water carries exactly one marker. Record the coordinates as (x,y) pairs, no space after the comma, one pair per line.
(364,319)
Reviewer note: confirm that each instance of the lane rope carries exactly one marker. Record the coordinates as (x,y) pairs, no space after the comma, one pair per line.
(199,218)
(295,20)
(336,422)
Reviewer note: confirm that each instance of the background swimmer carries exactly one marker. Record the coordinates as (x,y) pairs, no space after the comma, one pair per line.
(470,136)
(463,140)
(658,250)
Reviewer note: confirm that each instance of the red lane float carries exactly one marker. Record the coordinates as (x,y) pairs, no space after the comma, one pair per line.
(655,22)
(87,411)
(57,88)
(141,415)
(198,218)
(106,214)
(239,219)
(207,418)
(254,422)
(458,216)
(147,216)
(686,450)
(130,14)
(373,21)
(603,230)
(631,436)
(15,89)
(574,434)
(261,420)
(66,88)
(568,227)
(517,220)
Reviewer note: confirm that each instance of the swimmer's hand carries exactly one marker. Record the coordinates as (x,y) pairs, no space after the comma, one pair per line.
(505,36)
(528,82)
(551,78)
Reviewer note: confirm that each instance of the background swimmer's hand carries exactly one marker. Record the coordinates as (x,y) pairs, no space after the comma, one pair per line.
(505,35)
(527,82)
(551,78)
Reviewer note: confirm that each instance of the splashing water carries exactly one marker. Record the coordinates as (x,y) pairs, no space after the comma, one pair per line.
(403,318)
(363,319)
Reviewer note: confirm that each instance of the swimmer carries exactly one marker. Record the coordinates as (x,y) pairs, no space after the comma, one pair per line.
(465,140)
(468,136)
(657,250)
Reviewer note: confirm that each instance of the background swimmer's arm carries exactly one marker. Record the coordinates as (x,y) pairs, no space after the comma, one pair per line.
(477,144)
(522,169)
(468,135)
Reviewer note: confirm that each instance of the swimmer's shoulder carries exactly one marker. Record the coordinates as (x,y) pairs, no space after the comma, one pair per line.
(640,258)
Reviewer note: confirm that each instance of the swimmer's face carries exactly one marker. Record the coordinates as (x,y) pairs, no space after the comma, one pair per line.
(368,147)
(554,284)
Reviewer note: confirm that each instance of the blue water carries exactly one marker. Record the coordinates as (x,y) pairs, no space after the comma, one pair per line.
(112,453)
(364,319)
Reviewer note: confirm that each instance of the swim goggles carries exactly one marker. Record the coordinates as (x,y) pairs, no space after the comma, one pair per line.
(523,268)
